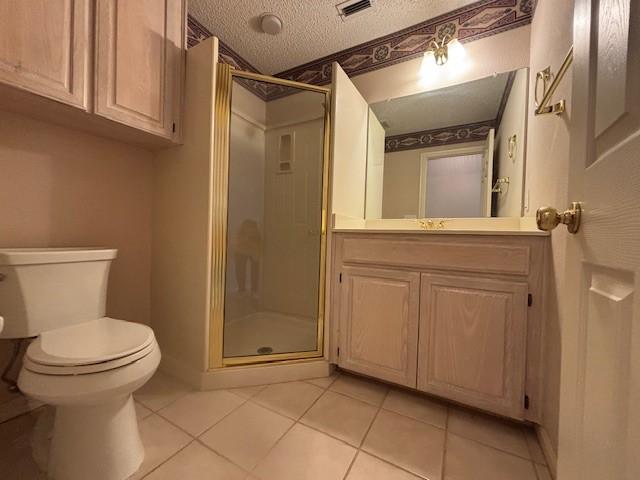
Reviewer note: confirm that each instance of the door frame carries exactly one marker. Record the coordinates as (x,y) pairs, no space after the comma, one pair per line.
(225,75)
(441,152)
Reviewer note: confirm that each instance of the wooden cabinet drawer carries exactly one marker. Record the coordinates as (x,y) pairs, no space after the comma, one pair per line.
(474,254)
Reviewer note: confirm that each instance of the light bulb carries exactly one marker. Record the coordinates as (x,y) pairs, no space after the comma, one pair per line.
(457,51)
(428,64)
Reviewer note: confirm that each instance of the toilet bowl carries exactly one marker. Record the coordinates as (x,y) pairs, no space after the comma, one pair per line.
(83,364)
(88,373)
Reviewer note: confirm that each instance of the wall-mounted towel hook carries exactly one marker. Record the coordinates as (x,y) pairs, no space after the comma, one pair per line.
(550,83)
(497,187)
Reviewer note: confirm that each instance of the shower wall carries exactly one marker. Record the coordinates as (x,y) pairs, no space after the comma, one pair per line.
(274,204)
(293,204)
(246,203)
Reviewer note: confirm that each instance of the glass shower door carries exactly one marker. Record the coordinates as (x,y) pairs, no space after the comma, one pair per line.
(274,237)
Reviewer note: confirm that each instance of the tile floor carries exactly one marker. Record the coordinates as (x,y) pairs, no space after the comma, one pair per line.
(342,427)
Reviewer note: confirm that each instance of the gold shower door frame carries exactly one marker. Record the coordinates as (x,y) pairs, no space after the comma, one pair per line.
(220,187)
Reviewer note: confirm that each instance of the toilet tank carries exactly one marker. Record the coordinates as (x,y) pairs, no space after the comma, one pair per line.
(47,288)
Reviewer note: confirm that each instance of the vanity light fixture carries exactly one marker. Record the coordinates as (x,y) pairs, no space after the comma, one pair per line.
(439,53)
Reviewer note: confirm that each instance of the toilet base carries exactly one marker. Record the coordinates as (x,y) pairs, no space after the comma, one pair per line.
(97,442)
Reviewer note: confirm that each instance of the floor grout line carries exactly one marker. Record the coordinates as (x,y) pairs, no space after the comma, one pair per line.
(298,420)
(164,461)
(492,447)
(207,429)
(295,422)
(366,433)
(245,399)
(194,438)
(213,450)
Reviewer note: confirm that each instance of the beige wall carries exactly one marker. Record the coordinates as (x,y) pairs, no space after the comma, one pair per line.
(548,152)
(62,187)
(182,227)
(306,105)
(498,53)
(513,122)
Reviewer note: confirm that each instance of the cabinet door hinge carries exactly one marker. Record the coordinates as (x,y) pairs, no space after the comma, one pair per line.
(529,300)
(526,402)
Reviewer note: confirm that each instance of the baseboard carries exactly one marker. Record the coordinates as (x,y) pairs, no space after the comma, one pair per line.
(18,405)
(246,375)
(180,370)
(249,375)
(547,449)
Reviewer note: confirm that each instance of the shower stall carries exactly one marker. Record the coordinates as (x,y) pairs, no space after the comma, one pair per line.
(270,176)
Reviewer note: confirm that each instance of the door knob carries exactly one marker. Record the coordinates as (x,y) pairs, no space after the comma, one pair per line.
(548,218)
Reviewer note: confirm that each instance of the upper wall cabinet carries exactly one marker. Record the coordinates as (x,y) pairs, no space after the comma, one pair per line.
(45,47)
(139,48)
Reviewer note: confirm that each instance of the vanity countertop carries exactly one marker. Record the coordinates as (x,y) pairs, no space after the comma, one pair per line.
(503,226)
(533,233)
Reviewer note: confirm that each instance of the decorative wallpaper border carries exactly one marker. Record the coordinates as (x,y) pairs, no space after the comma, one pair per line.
(477,20)
(196,32)
(481,19)
(471,132)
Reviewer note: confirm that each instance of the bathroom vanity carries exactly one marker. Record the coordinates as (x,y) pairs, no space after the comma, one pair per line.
(457,314)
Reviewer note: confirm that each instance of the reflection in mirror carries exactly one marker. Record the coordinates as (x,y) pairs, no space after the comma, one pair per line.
(455,152)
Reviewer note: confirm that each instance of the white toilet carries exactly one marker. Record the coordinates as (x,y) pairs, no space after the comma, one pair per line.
(82,363)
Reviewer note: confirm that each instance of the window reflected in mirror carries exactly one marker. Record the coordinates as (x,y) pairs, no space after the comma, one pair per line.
(454,152)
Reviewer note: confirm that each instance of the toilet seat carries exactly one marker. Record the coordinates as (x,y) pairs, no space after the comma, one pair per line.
(89,347)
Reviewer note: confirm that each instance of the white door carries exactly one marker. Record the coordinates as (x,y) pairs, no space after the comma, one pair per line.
(600,385)
(487,173)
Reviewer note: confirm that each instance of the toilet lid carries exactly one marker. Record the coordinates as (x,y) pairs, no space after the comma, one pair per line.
(87,343)
(91,368)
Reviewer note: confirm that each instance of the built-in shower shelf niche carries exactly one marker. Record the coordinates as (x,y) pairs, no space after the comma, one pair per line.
(286,149)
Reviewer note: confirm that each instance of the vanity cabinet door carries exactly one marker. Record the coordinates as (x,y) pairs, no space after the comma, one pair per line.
(379,312)
(472,345)
(139,63)
(44,48)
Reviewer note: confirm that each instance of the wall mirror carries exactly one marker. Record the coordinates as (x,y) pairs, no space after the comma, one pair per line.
(455,152)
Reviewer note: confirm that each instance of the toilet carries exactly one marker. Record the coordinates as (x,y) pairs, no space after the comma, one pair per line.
(83,364)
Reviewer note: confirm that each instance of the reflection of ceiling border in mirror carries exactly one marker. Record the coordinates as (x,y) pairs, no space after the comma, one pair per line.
(471,132)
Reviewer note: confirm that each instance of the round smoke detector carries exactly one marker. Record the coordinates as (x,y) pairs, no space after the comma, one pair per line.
(270,24)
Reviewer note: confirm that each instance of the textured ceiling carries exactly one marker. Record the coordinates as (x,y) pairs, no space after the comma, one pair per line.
(458,105)
(312,28)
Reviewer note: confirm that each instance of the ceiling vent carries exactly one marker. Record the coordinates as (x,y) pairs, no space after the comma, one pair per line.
(353,8)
